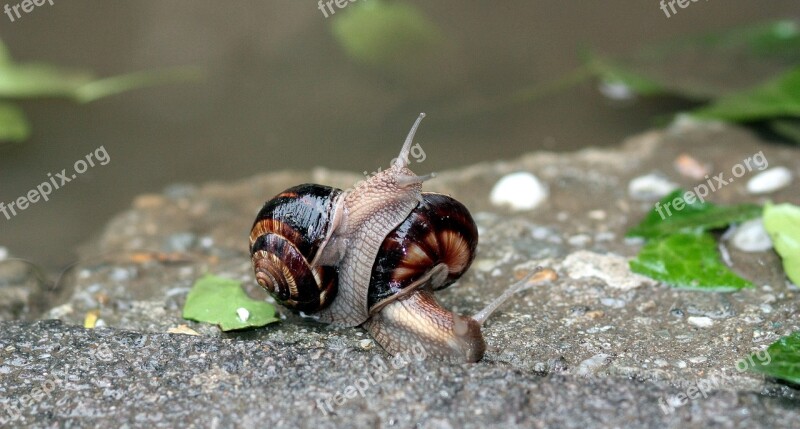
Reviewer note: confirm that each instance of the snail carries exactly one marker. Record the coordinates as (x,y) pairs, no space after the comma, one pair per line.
(374,255)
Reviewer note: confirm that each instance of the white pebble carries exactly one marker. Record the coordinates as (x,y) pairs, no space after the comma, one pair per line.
(650,187)
(366,344)
(243,314)
(613,302)
(617,91)
(3,253)
(520,191)
(700,322)
(579,240)
(752,237)
(769,181)
(590,366)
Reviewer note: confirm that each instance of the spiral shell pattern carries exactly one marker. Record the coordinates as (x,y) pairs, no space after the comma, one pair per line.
(286,236)
(439,231)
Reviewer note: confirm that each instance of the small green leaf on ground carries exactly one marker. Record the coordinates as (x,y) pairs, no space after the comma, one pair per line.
(688,261)
(220,301)
(778,97)
(666,218)
(782,222)
(14,126)
(781,360)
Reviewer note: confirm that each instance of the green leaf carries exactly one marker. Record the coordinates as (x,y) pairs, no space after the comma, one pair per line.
(612,73)
(781,360)
(5,56)
(92,91)
(39,80)
(776,98)
(14,126)
(385,34)
(786,128)
(782,222)
(216,300)
(687,261)
(676,213)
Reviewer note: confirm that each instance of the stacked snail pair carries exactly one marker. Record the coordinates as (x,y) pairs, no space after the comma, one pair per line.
(374,255)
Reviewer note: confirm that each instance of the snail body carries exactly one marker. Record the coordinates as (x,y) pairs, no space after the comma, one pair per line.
(373,256)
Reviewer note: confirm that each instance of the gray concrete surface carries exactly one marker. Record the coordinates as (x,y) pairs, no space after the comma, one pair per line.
(601,347)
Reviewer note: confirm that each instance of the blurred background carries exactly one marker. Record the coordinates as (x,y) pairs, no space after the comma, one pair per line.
(283,87)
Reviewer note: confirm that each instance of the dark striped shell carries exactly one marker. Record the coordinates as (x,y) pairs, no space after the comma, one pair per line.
(286,237)
(440,230)
(290,229)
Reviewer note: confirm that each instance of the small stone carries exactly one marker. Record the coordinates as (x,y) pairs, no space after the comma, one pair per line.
(613,302)
(484,264)
(366,344)
(698,359)
(650,187)
(751,236)
(594,314)
(519,191)
(579,240)
(689,167)
(616,90)
(700,322)
(590,366)
(180,242)
(597,214)
(611,269)
(243,314)
(769,181)
(646,306)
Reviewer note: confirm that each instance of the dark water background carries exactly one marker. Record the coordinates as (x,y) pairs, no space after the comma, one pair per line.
(279,93)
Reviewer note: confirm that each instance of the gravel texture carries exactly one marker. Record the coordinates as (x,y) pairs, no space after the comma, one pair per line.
(600,347)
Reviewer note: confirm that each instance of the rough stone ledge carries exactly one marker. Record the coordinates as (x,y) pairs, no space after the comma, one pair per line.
(600,345)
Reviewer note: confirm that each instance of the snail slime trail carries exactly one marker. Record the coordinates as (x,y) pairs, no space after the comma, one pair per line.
(375,255)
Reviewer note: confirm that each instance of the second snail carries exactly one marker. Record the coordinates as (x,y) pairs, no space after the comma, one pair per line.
(373,256)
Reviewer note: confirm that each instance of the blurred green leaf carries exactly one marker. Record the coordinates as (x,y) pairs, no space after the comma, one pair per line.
(781,360)
(612,73)
(39,80)
(782,222)
(786,128)
(14,126)
(779,39)
(385,34)
(219,301)
(5,56)
(687,261)
(694,216)
(776,98)
(97,89)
